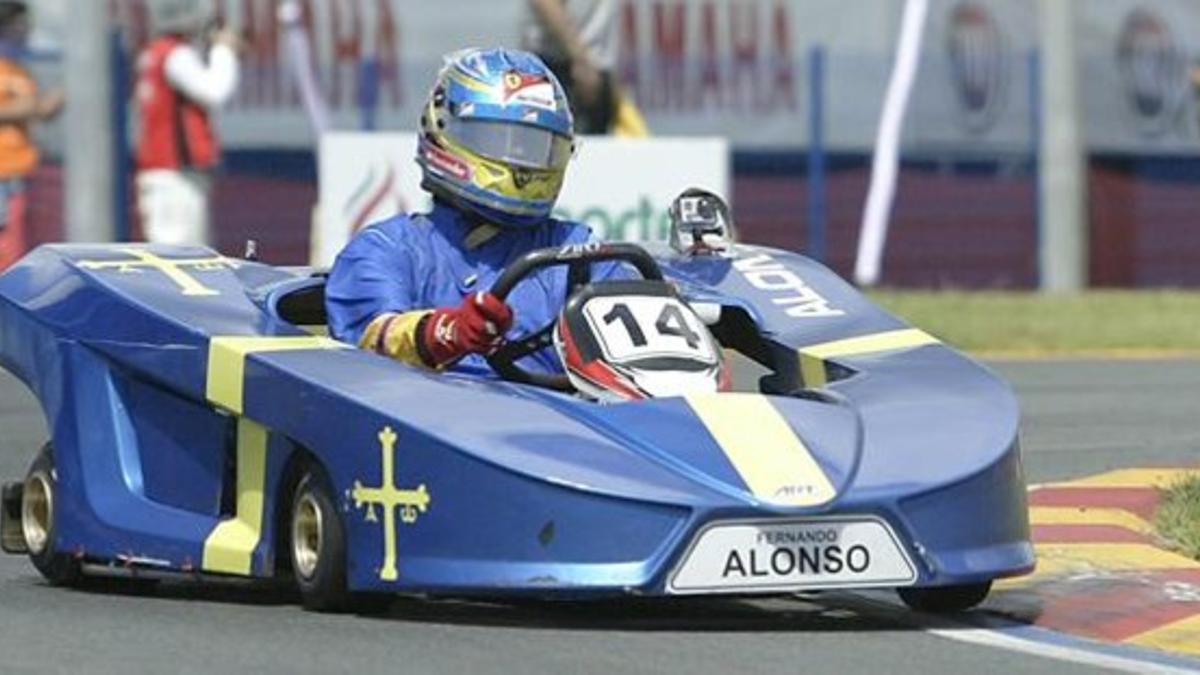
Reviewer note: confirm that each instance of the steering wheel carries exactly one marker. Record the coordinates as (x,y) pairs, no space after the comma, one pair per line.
(578,259)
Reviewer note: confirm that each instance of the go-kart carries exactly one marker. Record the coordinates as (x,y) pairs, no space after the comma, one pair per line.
(201,424)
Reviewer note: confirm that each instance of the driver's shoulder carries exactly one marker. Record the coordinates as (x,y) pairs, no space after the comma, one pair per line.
(400,229)
(391,241)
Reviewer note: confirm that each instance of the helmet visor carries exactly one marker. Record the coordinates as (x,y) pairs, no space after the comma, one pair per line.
(512,143)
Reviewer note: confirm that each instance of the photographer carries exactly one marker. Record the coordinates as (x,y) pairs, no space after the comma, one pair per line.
(178,88)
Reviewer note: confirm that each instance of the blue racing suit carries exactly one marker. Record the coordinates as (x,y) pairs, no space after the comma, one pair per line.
(422,261)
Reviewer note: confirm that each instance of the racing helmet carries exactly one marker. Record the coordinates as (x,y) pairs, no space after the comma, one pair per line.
(496,136)
(180,17)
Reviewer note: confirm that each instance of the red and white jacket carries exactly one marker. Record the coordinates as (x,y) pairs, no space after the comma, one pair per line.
(176,91)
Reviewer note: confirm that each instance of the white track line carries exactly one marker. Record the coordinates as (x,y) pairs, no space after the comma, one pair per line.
(993,638)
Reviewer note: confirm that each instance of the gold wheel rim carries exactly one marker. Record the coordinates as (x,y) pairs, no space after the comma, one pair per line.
(37,512)
(306,536)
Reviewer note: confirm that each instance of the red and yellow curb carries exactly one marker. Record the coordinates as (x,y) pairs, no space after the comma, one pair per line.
(1102,573)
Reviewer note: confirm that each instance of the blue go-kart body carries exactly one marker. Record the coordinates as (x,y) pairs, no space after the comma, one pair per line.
(181,388)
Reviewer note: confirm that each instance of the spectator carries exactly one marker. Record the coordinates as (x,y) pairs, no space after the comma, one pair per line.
(577,40)
(178,88)
(20,107)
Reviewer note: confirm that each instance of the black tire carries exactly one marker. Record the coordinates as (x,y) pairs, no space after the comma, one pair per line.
(38,522)
(945,599)
(319,562)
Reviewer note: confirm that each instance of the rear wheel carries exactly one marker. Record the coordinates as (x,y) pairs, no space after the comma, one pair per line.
(38,503)
(945,599)
(317,544)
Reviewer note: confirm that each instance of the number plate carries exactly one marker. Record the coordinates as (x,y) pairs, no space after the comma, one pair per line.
(630,328)
(773,556)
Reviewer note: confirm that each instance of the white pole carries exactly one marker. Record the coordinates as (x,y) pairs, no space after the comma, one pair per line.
(1063,240)
(300,53)
(885,164)
(89,139)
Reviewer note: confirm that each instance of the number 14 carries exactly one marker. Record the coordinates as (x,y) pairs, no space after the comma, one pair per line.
(671,322)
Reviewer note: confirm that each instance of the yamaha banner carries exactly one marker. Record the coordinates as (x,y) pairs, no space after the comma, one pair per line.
(752,70)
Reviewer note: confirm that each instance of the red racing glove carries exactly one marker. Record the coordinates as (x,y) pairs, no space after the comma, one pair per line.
(475,327)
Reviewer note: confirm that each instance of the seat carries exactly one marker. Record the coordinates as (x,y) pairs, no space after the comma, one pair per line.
(300,302)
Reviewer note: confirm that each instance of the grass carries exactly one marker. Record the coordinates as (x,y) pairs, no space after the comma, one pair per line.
(1005,322)
(1178,517)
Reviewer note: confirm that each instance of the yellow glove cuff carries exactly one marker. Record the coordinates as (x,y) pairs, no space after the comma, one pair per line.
(395,335)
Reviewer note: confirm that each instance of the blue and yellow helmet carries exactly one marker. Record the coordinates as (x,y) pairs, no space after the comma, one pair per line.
(496,136)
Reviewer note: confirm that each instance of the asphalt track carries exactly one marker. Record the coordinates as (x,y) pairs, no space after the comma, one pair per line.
(1081,417)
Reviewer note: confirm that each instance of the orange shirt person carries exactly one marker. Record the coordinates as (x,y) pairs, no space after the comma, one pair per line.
(20,107)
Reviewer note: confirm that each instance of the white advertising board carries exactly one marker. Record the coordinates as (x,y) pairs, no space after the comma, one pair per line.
(620,187)
(735,68)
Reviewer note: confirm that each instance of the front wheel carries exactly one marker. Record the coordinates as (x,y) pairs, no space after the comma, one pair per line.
(38,502)
(945,599)
(318,545)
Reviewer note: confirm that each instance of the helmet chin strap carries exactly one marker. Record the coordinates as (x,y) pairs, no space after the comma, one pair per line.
(481,234)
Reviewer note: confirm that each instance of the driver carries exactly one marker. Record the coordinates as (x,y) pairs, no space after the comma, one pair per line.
(495,138)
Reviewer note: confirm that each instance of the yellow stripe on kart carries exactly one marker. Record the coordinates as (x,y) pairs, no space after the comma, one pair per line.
(768,455)
(230,546)
(812,358)
(227,362)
